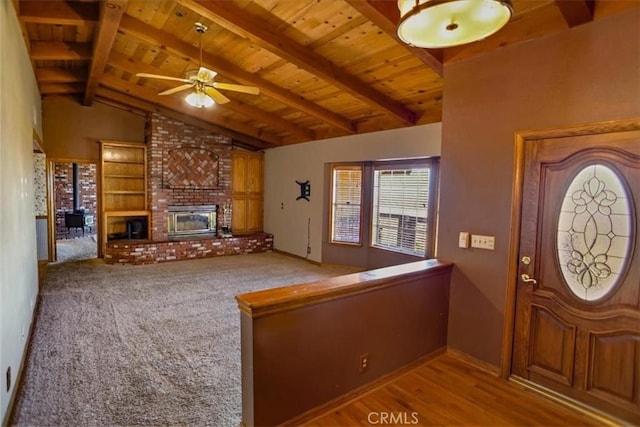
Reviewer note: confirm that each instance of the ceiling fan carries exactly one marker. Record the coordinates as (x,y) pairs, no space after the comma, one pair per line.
(205,89)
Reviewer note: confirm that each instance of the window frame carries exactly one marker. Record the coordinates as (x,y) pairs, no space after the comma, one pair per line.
(346,166)
(432,163)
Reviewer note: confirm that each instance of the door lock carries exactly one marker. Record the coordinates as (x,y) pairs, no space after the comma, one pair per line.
(526,260)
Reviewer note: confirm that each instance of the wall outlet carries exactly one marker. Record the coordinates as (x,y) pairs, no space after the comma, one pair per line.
(483,242)
(364,362)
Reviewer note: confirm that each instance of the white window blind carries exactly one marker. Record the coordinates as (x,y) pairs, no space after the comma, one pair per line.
(346,204)
(401,205)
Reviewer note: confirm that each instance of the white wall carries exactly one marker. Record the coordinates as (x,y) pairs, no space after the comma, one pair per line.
(19,116)
(302,162)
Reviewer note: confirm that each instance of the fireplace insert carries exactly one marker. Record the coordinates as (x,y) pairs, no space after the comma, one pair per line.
(184,220)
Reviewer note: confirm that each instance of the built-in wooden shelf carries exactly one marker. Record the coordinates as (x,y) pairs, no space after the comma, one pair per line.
(128,162)
(123,188)
(123,176)
(124,192)
(126,213)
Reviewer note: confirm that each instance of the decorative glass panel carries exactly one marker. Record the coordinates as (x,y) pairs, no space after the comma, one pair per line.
(594,232)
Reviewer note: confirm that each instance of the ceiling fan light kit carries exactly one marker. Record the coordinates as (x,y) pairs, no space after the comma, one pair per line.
(205,89)
(445,23)
(199,100)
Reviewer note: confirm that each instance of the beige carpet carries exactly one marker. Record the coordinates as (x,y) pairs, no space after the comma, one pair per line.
(78,249)
(145,345)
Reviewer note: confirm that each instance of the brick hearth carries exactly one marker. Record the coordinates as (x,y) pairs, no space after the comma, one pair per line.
(154,252)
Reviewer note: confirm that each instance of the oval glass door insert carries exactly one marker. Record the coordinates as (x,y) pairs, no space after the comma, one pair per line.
(594,232)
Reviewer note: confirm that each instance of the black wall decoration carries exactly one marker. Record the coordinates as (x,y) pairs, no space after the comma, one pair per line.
(305,190)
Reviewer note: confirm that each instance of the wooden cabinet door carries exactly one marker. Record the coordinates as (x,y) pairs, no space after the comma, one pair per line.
(239,215)
(254,174)
(254,214)
(247,193)
(239,172)
(577,329)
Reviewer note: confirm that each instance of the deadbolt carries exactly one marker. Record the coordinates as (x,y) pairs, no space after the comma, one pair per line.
(526,260)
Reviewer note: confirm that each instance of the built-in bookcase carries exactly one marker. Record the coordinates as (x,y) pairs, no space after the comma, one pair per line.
(123,189)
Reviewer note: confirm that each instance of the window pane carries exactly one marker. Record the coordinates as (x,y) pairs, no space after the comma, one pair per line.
(400,209)
(346,204)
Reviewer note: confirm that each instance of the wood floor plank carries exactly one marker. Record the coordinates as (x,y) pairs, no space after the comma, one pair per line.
(448,391)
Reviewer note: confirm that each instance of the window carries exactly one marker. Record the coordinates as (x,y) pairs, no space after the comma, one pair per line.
(346,204)
(389,204)
(402,207)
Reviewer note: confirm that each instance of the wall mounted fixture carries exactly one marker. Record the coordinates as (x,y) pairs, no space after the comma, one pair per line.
(445,23)
(305,190)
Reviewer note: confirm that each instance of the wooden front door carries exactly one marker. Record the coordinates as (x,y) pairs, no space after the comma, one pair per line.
(577,321)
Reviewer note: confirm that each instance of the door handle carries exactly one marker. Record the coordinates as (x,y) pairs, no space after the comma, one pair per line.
(526,279)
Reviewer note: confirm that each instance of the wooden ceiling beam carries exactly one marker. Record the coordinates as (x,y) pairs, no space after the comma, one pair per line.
(132,66)
(61,75)
(111,12)
(128,102)
(231,17)
(162,40)
(576,12)
(51,51)
(385,15)
(206,114)
(59,12)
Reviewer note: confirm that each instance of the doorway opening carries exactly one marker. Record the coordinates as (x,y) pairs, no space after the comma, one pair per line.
(75,202)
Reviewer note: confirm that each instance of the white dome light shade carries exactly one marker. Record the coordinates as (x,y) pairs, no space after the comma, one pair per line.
(445,23)
(199,100)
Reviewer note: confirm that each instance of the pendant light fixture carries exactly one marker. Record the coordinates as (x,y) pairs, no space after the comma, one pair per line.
(445,23)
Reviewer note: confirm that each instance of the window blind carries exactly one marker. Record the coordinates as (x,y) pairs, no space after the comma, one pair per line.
(401,204)
(346,204)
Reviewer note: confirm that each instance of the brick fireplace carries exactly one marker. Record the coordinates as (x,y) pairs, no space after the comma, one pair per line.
(187,167)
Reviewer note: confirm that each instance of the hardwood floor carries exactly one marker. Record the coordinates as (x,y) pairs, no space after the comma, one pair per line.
(450,391)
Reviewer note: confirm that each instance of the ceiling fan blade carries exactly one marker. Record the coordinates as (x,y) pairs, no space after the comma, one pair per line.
(206,75)
(176,89)
(238,88)
(156,76)
(217,96)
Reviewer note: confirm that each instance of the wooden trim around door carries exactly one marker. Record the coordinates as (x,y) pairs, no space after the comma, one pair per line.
(521,138)
(51,201)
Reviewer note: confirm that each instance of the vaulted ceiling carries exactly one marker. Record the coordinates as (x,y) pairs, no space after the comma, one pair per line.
(324,67)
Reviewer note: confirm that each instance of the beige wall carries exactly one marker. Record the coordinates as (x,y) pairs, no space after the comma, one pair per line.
(19,117)
(302,162)
(587,74)
(71,130)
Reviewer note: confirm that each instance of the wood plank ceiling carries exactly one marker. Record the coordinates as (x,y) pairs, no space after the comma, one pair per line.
(324,68)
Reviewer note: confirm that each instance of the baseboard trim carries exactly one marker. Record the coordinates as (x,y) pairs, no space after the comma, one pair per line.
(361,391)
(43,265)
(289,254)
(20,374)
(474,361)
(599,416)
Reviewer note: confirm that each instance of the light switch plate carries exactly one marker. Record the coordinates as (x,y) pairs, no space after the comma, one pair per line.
(483,242)
(463,240)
